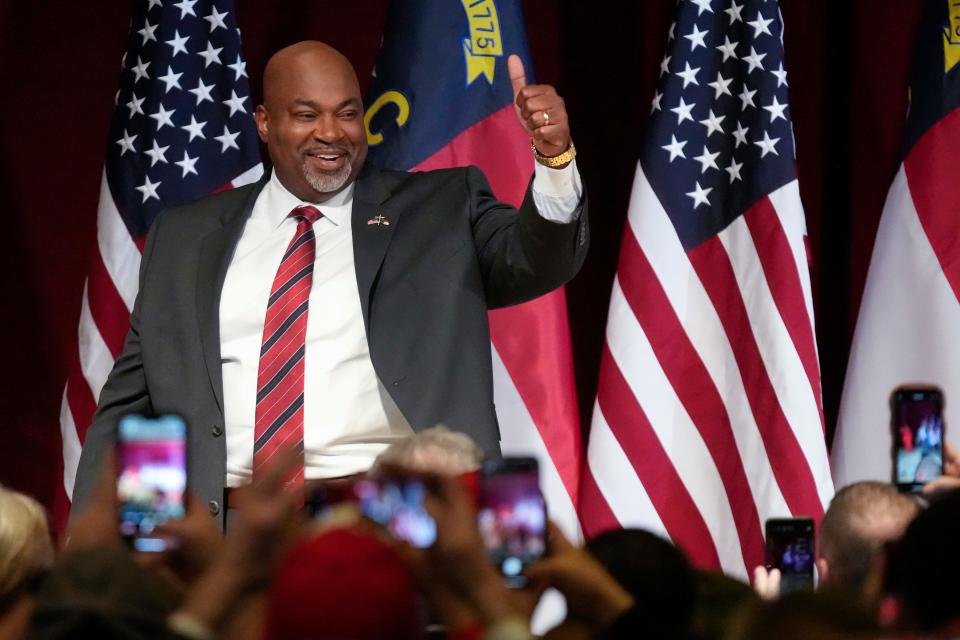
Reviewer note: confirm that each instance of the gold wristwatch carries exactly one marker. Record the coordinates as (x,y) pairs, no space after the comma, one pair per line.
(554,161)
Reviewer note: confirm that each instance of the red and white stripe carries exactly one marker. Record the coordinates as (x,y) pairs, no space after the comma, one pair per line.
(533,382)
(708,417)
(534,388)
(108,297)
(907,329)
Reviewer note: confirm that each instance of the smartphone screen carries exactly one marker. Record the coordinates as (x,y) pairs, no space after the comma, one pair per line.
(397,504)
(512,516)
(790,548)
(917,437)
(152,481)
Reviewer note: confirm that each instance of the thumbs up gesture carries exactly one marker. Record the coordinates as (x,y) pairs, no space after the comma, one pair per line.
(540,110)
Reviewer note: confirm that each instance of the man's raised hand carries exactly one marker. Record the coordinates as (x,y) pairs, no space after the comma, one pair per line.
(541,111)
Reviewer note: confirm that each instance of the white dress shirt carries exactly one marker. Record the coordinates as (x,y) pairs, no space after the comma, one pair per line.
(349,417)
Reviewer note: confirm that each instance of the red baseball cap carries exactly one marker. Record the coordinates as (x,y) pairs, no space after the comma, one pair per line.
(343,584)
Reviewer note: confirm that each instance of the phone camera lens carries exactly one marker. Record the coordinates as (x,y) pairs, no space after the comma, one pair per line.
(512,566)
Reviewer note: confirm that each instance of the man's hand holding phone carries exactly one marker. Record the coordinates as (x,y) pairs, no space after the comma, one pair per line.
(463,586)
(790,549)
(192,540)
(512,516)
(395,500)
(594,597)
(478,549)
(151,478)
(917,426)
(950,480)
(197,536)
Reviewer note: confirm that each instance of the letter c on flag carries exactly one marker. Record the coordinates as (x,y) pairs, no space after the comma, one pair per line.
(388,97)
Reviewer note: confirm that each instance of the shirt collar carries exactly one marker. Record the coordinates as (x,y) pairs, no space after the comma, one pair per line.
(337,209)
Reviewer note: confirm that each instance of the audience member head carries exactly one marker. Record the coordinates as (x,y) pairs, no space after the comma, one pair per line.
(26,552)
(861,519)
(923,568)
(434,450)
(654,572)
(103,593)
(719,599)
(345,583)
(25,545)
(803,615)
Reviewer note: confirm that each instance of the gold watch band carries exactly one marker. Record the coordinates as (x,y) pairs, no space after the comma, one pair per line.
(554,161)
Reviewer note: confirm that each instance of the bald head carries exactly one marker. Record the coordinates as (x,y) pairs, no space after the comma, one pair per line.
(312,120)
(861,518)
(286,66)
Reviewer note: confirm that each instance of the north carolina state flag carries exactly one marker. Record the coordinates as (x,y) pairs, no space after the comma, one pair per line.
(908,331)
(441,97)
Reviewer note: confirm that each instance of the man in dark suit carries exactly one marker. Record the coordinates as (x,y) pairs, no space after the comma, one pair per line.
(398,268)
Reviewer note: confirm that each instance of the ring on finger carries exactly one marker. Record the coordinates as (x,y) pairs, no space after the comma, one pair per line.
(546,117)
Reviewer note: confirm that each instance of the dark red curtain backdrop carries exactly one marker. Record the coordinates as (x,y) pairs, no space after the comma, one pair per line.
(848,62)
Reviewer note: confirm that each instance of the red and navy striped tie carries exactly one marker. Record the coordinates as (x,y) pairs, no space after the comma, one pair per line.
(279,415)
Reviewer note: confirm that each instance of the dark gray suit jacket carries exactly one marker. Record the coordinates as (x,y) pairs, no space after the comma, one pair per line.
(426,281)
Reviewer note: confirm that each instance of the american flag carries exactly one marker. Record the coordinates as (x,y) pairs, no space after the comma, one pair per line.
(708,418)
(182,128)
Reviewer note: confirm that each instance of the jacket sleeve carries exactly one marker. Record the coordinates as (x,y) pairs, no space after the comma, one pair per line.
(125,391)
(522,255)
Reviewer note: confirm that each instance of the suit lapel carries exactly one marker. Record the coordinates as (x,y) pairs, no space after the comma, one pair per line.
(216,252)
(370,239)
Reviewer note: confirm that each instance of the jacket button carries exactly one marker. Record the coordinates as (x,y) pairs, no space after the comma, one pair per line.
(216,430)
(214,507)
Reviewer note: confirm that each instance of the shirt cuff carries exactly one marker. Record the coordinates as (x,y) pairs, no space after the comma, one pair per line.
(557,192)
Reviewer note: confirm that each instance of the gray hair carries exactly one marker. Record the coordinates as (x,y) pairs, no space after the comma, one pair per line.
(437,449)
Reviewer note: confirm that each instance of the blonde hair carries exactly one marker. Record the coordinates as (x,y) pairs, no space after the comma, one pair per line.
(25,545)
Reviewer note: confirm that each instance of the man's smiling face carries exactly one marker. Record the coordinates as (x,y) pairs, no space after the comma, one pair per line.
(312,121)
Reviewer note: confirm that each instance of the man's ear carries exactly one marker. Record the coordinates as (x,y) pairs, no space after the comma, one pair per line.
(823,570)
(262,118)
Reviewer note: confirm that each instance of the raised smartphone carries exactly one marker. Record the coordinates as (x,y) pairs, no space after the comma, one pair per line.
(512,516)
(152,479)
(917,423)
(397,504)
(790,548)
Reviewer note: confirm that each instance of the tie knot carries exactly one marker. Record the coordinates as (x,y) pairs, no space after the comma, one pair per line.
(308,213)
